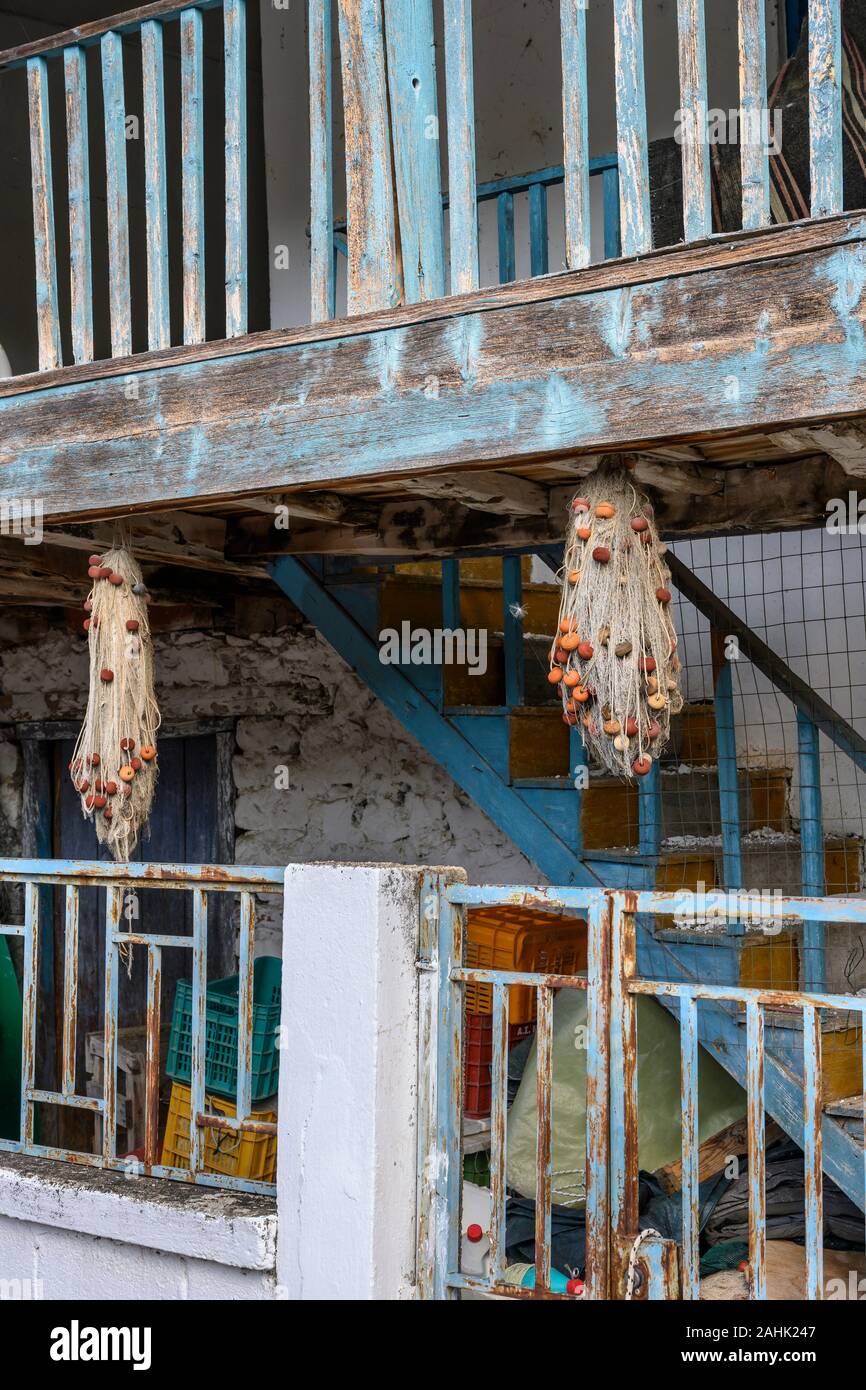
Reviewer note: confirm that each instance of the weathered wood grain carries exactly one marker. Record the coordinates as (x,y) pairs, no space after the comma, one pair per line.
(322,305)
(575,131)
(373,276)
(78,159)
(825,106)
(117,196)
(192,175)
(754,158)
(631,127)
(780,342)
(235,48)
(86,34)
(155,165)
(415,127)
(736,250)
(460,107)
(691,30)
(47,311)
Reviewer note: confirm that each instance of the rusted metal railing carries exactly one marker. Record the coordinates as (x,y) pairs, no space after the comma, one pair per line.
(199,880)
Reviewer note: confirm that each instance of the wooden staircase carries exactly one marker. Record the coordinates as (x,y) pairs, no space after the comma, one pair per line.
(501,737)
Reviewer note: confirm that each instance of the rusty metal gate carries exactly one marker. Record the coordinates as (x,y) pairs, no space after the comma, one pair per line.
(622,1261)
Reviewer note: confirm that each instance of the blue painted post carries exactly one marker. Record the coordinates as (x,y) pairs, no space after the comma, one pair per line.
(246,962)
(623,1067)
(198,1027)
(323,261)
(47,312)
(460,95)
(155,164)
(78,159)
(690,1168)
(632,146)
(192,174)
(448,1178)
(505,223)
(575,132)
(512,618)
(70,990)
(543,1148)
(29,991)
(825,106)
(538,235)
(498,1130)
(726,753)
(579,773)
(234,18)
(116,193)
(757,1165)
(598,1003)
(451,594)
(754,155)
(610,198)
(813,1151)
(697,211)
(415,132)
(113,911)
(650,811)
(811,847)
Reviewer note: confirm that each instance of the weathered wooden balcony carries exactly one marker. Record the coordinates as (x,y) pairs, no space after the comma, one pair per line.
(751,339)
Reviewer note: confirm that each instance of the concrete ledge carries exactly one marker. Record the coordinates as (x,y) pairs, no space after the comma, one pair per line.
(230,1228)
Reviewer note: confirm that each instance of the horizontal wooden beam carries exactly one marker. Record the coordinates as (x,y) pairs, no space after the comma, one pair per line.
(778,343)
(84,34)
(500,493)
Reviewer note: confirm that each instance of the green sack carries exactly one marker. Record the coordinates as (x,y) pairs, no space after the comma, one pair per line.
(721,1100)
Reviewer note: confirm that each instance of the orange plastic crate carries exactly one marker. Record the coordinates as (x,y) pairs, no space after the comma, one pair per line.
(509,938)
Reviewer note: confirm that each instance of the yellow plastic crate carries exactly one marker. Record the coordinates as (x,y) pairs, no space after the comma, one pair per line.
(508,938)
(235,1155)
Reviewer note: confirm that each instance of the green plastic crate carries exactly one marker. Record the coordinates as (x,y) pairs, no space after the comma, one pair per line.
(221,1032)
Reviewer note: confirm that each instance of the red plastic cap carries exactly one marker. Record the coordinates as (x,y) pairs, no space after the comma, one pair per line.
(575,1287)
(474,1233)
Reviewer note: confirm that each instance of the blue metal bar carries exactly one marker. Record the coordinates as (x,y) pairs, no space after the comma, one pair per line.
(245,1006)
(113,910)
(116,195)
(610,195)
(825,106)
(812,1152)
(598,1002)
(93,1103)
(155,196)
(235,34)
(795,11)
(757,1164)
(505,224)
(225,878)
(512,617)
(729,792)
(47,310)
(78,159)
(198,1026)
(451,617)
(460,106)
(70,989)
(448,1177)
(152,1055)
(650,811)
(322,257)
(30,977)
(690,1124)
(498,1130)
(623,1066)
(735,994)
(811,847)
(544,1110)
(538,234)
(192,175)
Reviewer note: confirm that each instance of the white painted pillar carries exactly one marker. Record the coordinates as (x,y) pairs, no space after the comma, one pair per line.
(346,1175)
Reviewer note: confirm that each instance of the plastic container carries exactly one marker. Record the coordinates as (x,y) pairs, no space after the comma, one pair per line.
(507,938)
(234,1155)
(221,1032)
(477,1057)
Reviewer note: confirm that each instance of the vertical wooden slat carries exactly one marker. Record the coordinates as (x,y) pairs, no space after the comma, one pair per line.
(151,1065)
(825,106)
(575,131)
(75,81)
(322,253)
(544,1106)
(498,1130)
(415,126)
(47,312)
(690,1201)
(245,1007)
(514,653)
(29,990)
(631,127)
(448,1177)
(697,213)
(234,19)
(813,1151)
(70,989)
(199,1006)
(755,1112)
(373,275)
(624,1182)
(155,163)
(538,235)
(598,1003)
(113,910)
(754,157)
(505,226)
(117,197)
(460,99)
(192,175)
